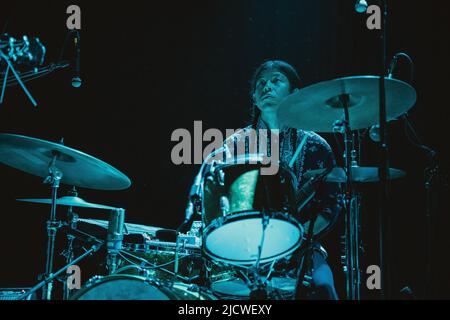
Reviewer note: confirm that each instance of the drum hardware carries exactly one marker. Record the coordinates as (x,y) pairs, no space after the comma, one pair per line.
(114,238)
(72,219)
(129,228)
(351,215)
(343,105)
(146,267)
(53,225)
(259,291)
(58,164)
(305,268)
(49,279)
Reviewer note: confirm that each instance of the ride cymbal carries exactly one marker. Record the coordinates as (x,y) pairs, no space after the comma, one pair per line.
(318,106)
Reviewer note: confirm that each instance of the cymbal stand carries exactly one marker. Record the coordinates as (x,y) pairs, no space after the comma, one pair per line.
(54,178)
(72,219)
(352,216)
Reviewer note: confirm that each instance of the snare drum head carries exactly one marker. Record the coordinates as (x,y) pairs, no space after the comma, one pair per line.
(128,287)
(237,240)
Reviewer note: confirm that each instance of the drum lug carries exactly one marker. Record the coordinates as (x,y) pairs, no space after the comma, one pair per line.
(220,176)
(94,280)
(224,205)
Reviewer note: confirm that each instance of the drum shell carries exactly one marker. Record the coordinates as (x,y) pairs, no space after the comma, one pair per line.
(239,188)
(131,287)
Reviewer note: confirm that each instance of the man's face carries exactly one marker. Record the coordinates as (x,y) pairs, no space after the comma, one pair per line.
(271,88)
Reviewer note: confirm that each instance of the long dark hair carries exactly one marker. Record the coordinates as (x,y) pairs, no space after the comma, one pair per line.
(279,65)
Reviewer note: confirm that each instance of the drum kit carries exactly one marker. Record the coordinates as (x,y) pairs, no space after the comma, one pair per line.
(247,244)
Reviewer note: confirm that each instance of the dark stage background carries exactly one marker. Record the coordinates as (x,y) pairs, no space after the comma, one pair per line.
(149,68)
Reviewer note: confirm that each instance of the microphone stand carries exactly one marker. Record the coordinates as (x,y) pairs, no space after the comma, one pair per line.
(49,278)
(383,164)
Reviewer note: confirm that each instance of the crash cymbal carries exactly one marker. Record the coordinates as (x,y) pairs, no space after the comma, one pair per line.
(359,174)
(70,202)
(318,106)
(131,228)
(79,169)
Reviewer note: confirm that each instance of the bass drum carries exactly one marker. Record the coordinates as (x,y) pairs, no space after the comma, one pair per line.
(130,287)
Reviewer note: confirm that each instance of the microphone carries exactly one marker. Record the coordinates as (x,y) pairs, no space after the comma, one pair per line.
(76,80)
(374,133)
(392,65)
(114,237)
(361,6)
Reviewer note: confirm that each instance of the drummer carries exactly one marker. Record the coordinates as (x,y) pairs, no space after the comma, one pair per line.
(271,83)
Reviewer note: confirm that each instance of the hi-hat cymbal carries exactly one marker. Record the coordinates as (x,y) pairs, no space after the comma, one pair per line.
(318,106)
(70,202)
(79,169)
(130,228)
(359,174)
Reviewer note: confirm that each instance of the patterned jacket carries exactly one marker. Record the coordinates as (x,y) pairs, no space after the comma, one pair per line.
(315,154)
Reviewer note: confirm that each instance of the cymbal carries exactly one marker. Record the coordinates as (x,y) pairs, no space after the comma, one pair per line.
(359,174)
(318,106)
(70,202)
(33,156)
(131,228)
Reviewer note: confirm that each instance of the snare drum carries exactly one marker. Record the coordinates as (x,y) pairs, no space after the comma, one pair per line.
(130,287)
(156,259)
(235,196)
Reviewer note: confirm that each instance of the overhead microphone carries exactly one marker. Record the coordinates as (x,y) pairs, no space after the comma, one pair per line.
(361,6)
(114,237)
(392,65)
(76,80)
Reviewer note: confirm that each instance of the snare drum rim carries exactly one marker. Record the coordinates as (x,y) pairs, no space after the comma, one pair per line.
(221,221)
